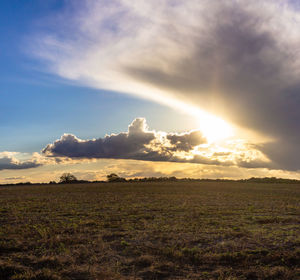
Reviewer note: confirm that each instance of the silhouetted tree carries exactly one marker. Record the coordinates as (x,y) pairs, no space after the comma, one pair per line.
(67,178)
(115,178)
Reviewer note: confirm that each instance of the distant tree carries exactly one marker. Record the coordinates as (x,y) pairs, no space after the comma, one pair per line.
(113,177)
(67,178)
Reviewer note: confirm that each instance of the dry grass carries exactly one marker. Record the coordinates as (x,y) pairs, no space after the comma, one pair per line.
(170,230)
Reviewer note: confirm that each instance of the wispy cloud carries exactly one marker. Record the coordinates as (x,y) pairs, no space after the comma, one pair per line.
(237,59)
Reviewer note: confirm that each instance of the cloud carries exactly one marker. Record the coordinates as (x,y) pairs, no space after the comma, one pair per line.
(140,143)
(14,178)
(186,141)
(17,160)
(130,144)
(9,161)
(237,59)
(137,143)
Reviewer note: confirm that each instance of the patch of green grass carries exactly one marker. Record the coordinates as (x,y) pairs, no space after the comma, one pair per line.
(154,230)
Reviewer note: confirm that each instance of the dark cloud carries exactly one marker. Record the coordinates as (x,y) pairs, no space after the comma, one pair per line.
(138,143)
(240,67)
(141,144)
(186,141)
(129,144)
(9,162)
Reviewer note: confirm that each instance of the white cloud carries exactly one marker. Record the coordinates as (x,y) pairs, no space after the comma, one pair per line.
(8,160)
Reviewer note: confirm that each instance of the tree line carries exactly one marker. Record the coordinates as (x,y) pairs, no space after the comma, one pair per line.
(68,178)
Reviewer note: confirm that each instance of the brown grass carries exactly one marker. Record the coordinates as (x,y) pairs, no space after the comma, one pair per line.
(169,230)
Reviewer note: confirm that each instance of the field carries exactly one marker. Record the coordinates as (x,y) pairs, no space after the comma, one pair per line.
(167,230)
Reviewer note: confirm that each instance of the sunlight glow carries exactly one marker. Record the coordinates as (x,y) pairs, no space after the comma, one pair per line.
(214,129)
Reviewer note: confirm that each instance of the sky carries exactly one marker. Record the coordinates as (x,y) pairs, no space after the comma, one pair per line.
(201,89)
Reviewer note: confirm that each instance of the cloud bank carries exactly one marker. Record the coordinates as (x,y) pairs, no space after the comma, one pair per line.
(239,59)
(140,143)
(9,161)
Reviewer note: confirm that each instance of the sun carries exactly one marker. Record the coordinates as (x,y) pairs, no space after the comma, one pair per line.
(214,128)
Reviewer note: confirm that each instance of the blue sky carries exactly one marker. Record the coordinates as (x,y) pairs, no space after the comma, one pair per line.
(37,107)
(217,95)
